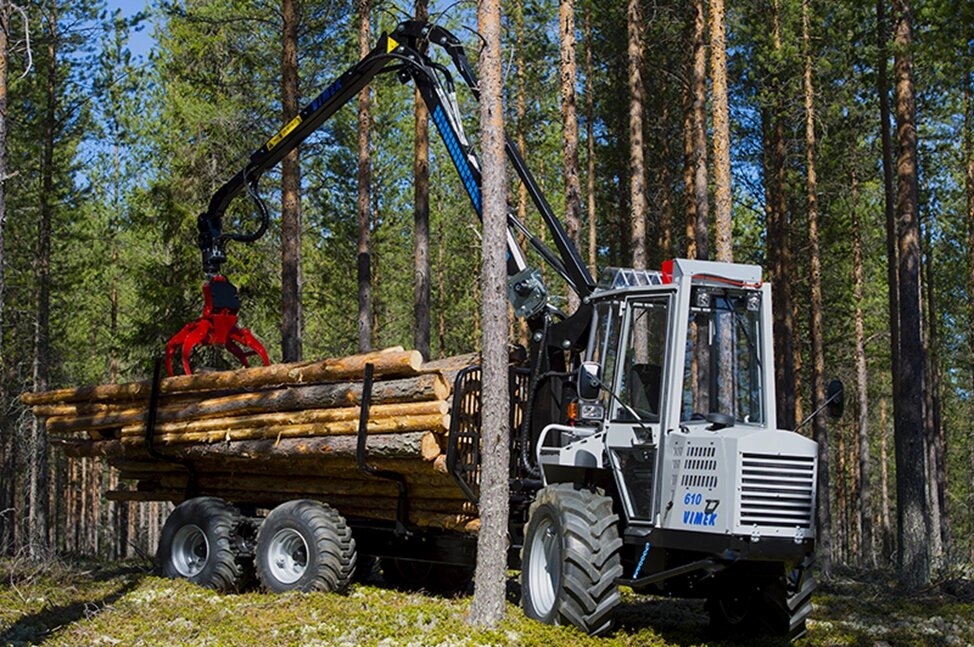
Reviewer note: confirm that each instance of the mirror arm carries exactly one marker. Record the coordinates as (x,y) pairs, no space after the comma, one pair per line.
(636,417)
(817,411)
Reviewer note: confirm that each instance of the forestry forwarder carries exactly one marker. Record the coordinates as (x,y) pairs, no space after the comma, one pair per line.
(644,449)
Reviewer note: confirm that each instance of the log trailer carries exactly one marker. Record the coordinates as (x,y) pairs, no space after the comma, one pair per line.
(644,446)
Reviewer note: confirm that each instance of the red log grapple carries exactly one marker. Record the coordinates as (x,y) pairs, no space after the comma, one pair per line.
(217,327)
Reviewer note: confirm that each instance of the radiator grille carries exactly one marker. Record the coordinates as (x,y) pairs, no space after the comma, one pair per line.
(777,491)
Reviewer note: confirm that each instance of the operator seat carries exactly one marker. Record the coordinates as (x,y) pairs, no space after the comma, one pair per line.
(644,384)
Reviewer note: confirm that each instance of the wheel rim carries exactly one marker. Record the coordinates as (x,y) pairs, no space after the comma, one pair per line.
(544,570)
(190,550)
(287,556)
(734,607)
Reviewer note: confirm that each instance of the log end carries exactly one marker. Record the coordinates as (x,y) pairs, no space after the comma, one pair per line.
(429,446)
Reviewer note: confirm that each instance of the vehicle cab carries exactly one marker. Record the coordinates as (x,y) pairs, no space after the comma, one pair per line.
(676,401)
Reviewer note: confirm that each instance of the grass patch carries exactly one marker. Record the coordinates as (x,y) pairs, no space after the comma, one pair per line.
(81,603)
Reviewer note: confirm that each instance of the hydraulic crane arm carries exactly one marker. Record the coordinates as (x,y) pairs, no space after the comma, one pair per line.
(402,52)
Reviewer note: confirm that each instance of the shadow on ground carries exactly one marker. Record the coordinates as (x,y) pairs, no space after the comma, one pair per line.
(36,627)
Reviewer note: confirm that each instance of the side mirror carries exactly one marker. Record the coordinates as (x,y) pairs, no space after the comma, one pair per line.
(835,396)
(589,378)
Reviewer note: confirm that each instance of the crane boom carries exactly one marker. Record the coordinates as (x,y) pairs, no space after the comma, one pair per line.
(401,52)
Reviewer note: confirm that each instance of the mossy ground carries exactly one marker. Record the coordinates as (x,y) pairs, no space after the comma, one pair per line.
(81,603)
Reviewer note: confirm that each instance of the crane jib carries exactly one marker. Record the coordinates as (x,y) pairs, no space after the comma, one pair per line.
(327,94)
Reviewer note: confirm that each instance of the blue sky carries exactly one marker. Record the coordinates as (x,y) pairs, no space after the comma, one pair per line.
(141,41)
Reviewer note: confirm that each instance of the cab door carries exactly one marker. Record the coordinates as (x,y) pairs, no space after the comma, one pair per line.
(636,415)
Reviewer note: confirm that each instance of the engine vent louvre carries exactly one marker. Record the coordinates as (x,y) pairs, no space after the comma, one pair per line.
(776,491)
(699,467)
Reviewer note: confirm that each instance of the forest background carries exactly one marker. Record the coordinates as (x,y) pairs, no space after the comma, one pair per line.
(109,157)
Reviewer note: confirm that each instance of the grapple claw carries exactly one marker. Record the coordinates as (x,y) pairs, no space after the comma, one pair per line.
(217,327)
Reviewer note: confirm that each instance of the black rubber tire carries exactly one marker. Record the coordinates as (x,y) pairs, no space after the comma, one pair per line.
(587,556)
(331,554)
(412,575)
(768,610)
(222,570)
(788,612)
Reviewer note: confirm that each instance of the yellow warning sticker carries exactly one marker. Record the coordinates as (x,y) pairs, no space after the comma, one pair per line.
(391,44)
(283,132)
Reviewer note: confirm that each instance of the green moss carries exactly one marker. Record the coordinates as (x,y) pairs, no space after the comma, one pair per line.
(123,605)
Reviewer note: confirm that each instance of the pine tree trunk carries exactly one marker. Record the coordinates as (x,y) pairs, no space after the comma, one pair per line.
(520,105)
(820,423)
(290,193)
(7,464)
(722,174)
(969,189)
(441,291)
(664,238)
(840,528)
(38,520)
(779,249)
(722,184)
(888,191)
(569,120)
(364,189)
(689,246)
(113,227)
(911,509)
(94,509)
(421,217)
(695,164)
(637,166)
(695,140)
(590,142)
(970,505)
(488,603)
(867,556)
(935,516)
(885,516)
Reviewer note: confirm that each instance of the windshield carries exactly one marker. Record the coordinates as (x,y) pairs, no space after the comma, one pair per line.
(722,371)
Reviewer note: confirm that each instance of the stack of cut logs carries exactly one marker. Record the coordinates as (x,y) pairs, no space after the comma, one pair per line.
(265,435)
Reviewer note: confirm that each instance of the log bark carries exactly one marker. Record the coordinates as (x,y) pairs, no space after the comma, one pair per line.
(316,396)
(132,421)
(454,362)
(387,363)
(416,474)
(398,446)
(293,467)
(347,487)
(325,421)
(341,428)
